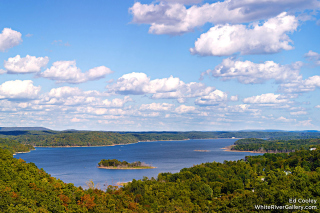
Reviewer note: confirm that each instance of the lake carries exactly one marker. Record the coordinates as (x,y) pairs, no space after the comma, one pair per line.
(79,164)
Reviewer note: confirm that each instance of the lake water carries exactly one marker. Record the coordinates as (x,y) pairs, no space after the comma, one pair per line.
(79,164)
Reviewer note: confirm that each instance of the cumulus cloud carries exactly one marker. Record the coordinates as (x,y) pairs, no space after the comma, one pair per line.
(269,98)
(156,107)
(184,1)
(67,72)
(9,38)
(185,109)
(234,98)
(19,90)
(214,98)
(318,106)
(300,85)
(117,102)
(287,120)
(247,72)
(140,84)
(71,96)
(29,64)
(170,17)
(270,37)
(313,56)
(298,113)
(63,92)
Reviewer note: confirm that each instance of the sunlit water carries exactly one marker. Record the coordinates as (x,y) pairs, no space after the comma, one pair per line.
(79,164)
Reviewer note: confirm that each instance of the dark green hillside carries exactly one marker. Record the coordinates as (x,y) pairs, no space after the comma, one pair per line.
(232,186)
(76,139)
(253,144)
(14,146)
(25,188)
(100,138)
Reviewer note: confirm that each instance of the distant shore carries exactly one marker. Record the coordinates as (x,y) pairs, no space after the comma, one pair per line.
(125,168)
(68,146)
(21,152)
(228,149)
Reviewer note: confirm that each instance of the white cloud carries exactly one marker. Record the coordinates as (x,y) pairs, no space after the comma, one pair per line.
(305,123)
(70,96)
(313,56)
(268,99)
(140,83)
(2,71)
(185,109)
(29,64)
(19,90)
(184,1)
(76,120)
(63,92)
(248,72)
(152,114)
(234,98)
(117,102)
(9,38)
(270,37)
(157,106)
(67,72)
(298,113)
(318,106)
(286,120)
(298,86)
(213,98)
(173,18)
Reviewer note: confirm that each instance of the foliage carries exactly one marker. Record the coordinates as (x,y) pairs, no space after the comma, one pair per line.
(254,144)
(25,188)
(91,138)
(14,146)
(231,186)
(117,163)
(99,138)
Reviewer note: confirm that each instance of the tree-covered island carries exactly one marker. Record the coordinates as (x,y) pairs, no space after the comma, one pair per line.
(116,164)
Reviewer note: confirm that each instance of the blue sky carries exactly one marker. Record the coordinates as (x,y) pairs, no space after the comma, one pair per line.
(171,65)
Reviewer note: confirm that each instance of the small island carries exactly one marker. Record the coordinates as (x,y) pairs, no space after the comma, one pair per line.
(116,164)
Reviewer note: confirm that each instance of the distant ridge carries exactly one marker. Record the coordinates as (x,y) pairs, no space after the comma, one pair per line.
(24,129)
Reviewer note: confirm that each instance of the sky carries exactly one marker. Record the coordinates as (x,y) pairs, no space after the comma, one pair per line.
(168,65)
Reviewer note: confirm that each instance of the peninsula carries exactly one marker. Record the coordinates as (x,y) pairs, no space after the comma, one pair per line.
(116,164)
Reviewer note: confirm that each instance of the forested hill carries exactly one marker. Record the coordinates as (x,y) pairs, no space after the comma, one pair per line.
(260,145)
(232,186)
(76,139)
(99,138)
(14,146)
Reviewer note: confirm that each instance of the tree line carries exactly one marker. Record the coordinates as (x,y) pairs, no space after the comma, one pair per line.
(231,186)
(260,145)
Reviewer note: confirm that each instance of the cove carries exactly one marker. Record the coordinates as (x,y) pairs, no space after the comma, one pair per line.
(78,165)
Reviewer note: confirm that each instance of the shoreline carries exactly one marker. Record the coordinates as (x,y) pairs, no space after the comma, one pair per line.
(68,146)
(228,149)
(125,168)
(21,152)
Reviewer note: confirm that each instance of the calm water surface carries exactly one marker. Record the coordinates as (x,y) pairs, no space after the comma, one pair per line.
(79,164)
